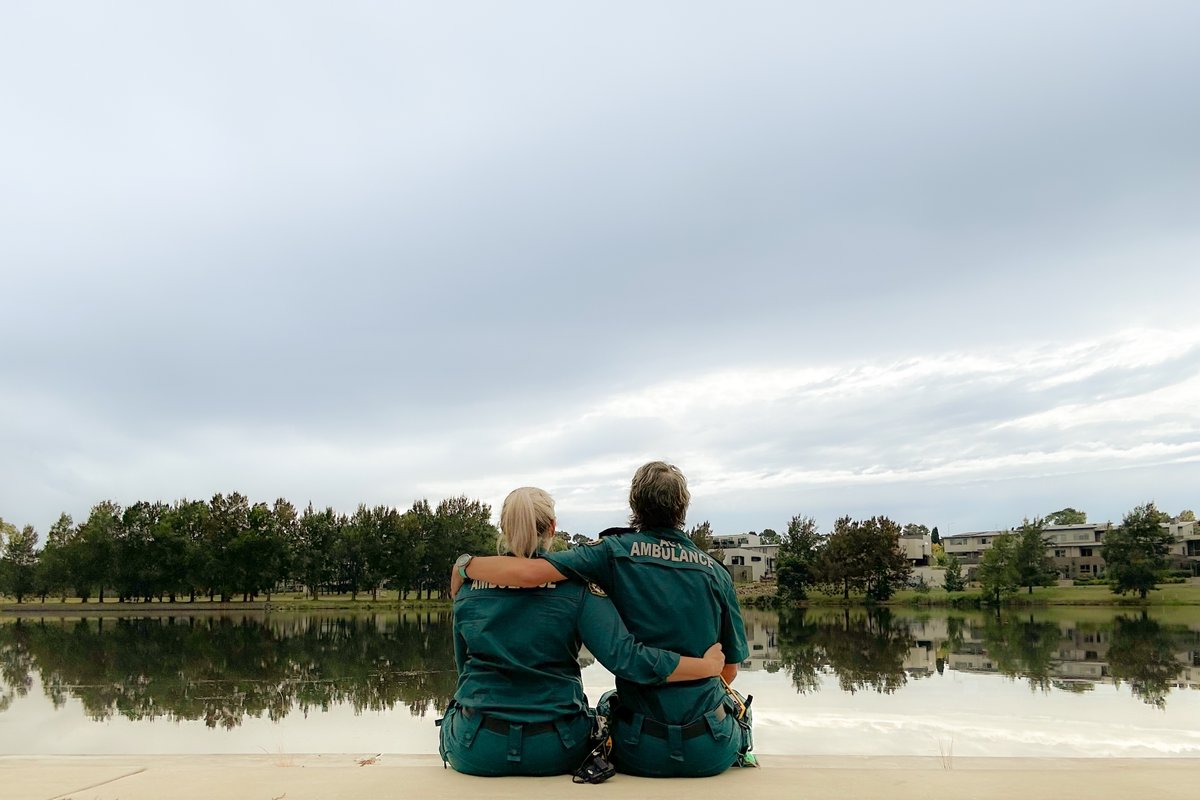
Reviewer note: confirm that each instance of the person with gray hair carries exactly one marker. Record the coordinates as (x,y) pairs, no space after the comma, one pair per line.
(671,595)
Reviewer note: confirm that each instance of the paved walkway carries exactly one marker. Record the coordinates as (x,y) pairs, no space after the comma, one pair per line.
(333,777)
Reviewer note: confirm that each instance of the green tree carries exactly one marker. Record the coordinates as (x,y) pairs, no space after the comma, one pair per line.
(998,573)
(95,551)
(886,567)
(701,536)
(841,562)
(1187,515)
(864,556)
(228,519)
(1135,554)
(189,522)
(55,561)
(363,550)
(955,582)
(135,562)
(1066,516)
(934,536)
(19,562)
(769,536)
(797,559)
(318,531)
(403,550)
(1034,567)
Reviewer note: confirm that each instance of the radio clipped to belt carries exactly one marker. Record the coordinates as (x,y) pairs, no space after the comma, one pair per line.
(741,712)
(597,768)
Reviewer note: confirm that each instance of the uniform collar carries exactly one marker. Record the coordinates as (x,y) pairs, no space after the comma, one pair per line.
(670,533)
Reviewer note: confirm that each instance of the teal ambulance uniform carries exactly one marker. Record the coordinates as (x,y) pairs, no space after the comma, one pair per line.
(671,595)
(519,708)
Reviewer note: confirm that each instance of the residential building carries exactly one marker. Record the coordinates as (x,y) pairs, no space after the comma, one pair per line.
(746,557)
(1077,551)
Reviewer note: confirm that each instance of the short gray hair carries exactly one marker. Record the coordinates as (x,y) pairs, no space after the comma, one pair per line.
(658,497)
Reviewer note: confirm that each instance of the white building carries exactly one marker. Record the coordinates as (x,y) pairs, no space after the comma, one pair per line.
(746,557)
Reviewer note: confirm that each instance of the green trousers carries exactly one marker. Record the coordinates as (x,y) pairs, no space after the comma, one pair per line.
(637,752)
(473,749)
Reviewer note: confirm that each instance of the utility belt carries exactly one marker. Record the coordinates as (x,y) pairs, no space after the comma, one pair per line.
(497,725)
(662,730)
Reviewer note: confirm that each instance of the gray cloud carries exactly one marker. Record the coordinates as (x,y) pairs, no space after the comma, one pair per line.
(368,255)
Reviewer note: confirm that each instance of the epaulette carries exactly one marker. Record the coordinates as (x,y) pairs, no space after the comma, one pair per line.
(596,590)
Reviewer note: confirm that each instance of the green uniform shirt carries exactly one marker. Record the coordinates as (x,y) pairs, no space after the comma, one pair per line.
(672,595)
(517,649)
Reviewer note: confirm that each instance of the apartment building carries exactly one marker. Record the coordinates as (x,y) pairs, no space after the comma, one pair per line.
(746,557)
(1077,551)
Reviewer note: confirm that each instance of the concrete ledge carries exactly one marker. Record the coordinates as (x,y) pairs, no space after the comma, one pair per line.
(332,777)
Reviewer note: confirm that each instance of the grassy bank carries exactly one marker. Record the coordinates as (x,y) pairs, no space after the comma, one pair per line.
(1179,594)
(389,601)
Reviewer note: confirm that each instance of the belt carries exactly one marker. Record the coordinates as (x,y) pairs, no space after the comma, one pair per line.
(497,725)
(653,727)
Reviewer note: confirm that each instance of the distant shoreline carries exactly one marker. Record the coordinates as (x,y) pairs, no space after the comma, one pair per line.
(760,596)
(113,608)
(1174,594)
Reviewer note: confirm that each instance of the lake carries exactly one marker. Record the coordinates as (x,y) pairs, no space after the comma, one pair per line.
(1082,682)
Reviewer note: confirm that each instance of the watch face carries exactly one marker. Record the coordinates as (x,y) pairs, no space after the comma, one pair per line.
(463,560)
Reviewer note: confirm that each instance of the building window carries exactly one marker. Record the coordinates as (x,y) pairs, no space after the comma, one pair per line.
(1085,551)
(983,540)
(1085,568)
(756,558)
(737,561)
(1060,553)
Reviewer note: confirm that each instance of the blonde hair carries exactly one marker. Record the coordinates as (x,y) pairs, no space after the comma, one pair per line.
(526,519)
(658,497)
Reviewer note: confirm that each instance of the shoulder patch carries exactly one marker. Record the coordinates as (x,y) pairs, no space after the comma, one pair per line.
(596,590)
(593,542)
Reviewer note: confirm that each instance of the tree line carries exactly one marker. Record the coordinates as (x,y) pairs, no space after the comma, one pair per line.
(229,547)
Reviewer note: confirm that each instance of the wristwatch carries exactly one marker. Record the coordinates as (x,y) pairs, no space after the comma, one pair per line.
(461,565)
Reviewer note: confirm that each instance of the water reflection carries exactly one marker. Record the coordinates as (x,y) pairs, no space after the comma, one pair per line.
(874,649)
(223,669)
(864,649)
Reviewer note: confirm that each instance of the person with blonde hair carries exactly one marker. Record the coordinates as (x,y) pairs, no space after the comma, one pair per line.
(672,595)
(519,707)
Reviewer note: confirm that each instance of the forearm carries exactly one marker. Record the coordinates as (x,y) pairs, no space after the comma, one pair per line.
(692,669)
(729,672)
(520,572)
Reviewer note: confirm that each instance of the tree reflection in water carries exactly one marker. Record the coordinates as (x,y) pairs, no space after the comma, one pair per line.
(223,669)
(864,648)
(1023,648)
(1144,655)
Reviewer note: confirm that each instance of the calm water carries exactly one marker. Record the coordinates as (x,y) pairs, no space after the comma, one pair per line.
(1081,682)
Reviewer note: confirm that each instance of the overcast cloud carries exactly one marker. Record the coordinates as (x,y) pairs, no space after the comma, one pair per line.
(932,260)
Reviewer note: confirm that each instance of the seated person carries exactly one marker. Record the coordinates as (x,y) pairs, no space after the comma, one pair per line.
(672,595)
(519,708)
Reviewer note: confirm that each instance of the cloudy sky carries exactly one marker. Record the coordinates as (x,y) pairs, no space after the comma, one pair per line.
(938,261)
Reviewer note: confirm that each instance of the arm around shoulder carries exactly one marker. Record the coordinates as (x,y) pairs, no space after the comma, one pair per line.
(504,571)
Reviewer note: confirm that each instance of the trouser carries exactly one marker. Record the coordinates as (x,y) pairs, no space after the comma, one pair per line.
(474,746)
(675,751)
